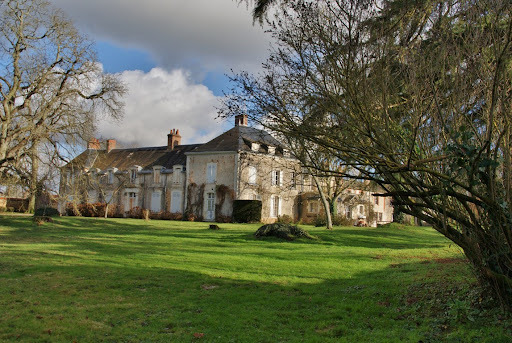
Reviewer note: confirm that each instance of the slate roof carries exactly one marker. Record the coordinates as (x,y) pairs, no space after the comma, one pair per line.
(240,138)
(123,159)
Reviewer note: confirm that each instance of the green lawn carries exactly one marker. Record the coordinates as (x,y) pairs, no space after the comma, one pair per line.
(127,280)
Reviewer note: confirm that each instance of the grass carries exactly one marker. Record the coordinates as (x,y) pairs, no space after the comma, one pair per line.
(124,280)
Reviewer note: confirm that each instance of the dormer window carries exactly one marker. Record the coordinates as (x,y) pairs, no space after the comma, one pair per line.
(133,175)
(156,174)
(271,150)
(110,176)
(176,173)
(255,146)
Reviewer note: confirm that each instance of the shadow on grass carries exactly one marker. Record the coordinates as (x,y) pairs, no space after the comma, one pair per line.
(168,304)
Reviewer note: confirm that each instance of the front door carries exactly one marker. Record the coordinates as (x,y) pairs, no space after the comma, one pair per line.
(210,206)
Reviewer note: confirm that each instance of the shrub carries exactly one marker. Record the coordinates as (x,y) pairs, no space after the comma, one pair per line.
(247,211)
(285,231)
(46,211)
(219,218)
(338,220)
(3,209)
(135,212)
(285,219)
(191,217)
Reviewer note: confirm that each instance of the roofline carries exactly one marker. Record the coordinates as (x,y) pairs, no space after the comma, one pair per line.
(232,152)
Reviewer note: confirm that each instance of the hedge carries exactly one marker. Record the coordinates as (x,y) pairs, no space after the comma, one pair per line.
(247,211)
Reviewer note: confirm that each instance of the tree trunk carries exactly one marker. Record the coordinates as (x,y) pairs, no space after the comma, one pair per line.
(106,210)
(327,209)
(33,179)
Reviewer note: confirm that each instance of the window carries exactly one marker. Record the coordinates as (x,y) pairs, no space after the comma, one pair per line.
(348,212)
(132,200)
(275,206)
(176,202)
(256,197)
(211,172)
(133,175)
(156,201)
(156,175)
(252,175)
(361,209)
(255,146)
(276,178)
(176,175)
(376,200)
(110,177)
(294,180)
(210,206)
(313,207)
(379,216)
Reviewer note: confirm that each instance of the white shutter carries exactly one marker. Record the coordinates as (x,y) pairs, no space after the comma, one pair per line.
(176,202)
(156,201)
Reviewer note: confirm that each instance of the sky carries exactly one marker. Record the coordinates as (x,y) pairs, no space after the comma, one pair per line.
(173,55)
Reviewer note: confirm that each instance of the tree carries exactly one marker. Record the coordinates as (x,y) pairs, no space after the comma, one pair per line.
(414,96)
(51,86)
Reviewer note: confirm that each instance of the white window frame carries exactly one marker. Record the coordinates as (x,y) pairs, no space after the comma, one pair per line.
(176,205)
(252,178)
(211,172)
(277,178)
(133,175)
(275,206)
(156,207)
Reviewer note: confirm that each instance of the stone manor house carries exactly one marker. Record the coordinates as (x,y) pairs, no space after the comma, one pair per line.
(243,163)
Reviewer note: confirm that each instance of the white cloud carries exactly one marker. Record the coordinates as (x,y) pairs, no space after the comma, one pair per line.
(199,35)
(159,101)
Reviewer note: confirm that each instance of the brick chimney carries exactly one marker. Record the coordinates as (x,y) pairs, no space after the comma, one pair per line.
(94,143)
(173,139)
(241,120)
(111,144)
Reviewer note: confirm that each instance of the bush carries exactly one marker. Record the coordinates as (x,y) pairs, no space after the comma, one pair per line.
(285,219)
(166,215)
(219,218)
(247,211)
(135,212)
(337,220)
(285,231)
(3,209)
(46,212)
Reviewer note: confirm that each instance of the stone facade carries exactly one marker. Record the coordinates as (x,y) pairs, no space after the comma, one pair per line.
(198,180)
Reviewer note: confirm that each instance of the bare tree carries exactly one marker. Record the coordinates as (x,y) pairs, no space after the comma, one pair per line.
(416,97)
(51,86)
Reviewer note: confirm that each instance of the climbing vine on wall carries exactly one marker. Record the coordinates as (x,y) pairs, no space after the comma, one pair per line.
(222,192)
(195,195)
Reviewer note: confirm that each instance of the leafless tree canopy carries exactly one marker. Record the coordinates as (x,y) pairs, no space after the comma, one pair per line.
(51,86)
(415,96)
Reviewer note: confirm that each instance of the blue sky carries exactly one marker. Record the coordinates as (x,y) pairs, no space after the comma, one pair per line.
(174,56)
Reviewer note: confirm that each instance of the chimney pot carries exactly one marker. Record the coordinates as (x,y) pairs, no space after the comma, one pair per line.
(173,139)
(241,120)
(94,143)
(111,144)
